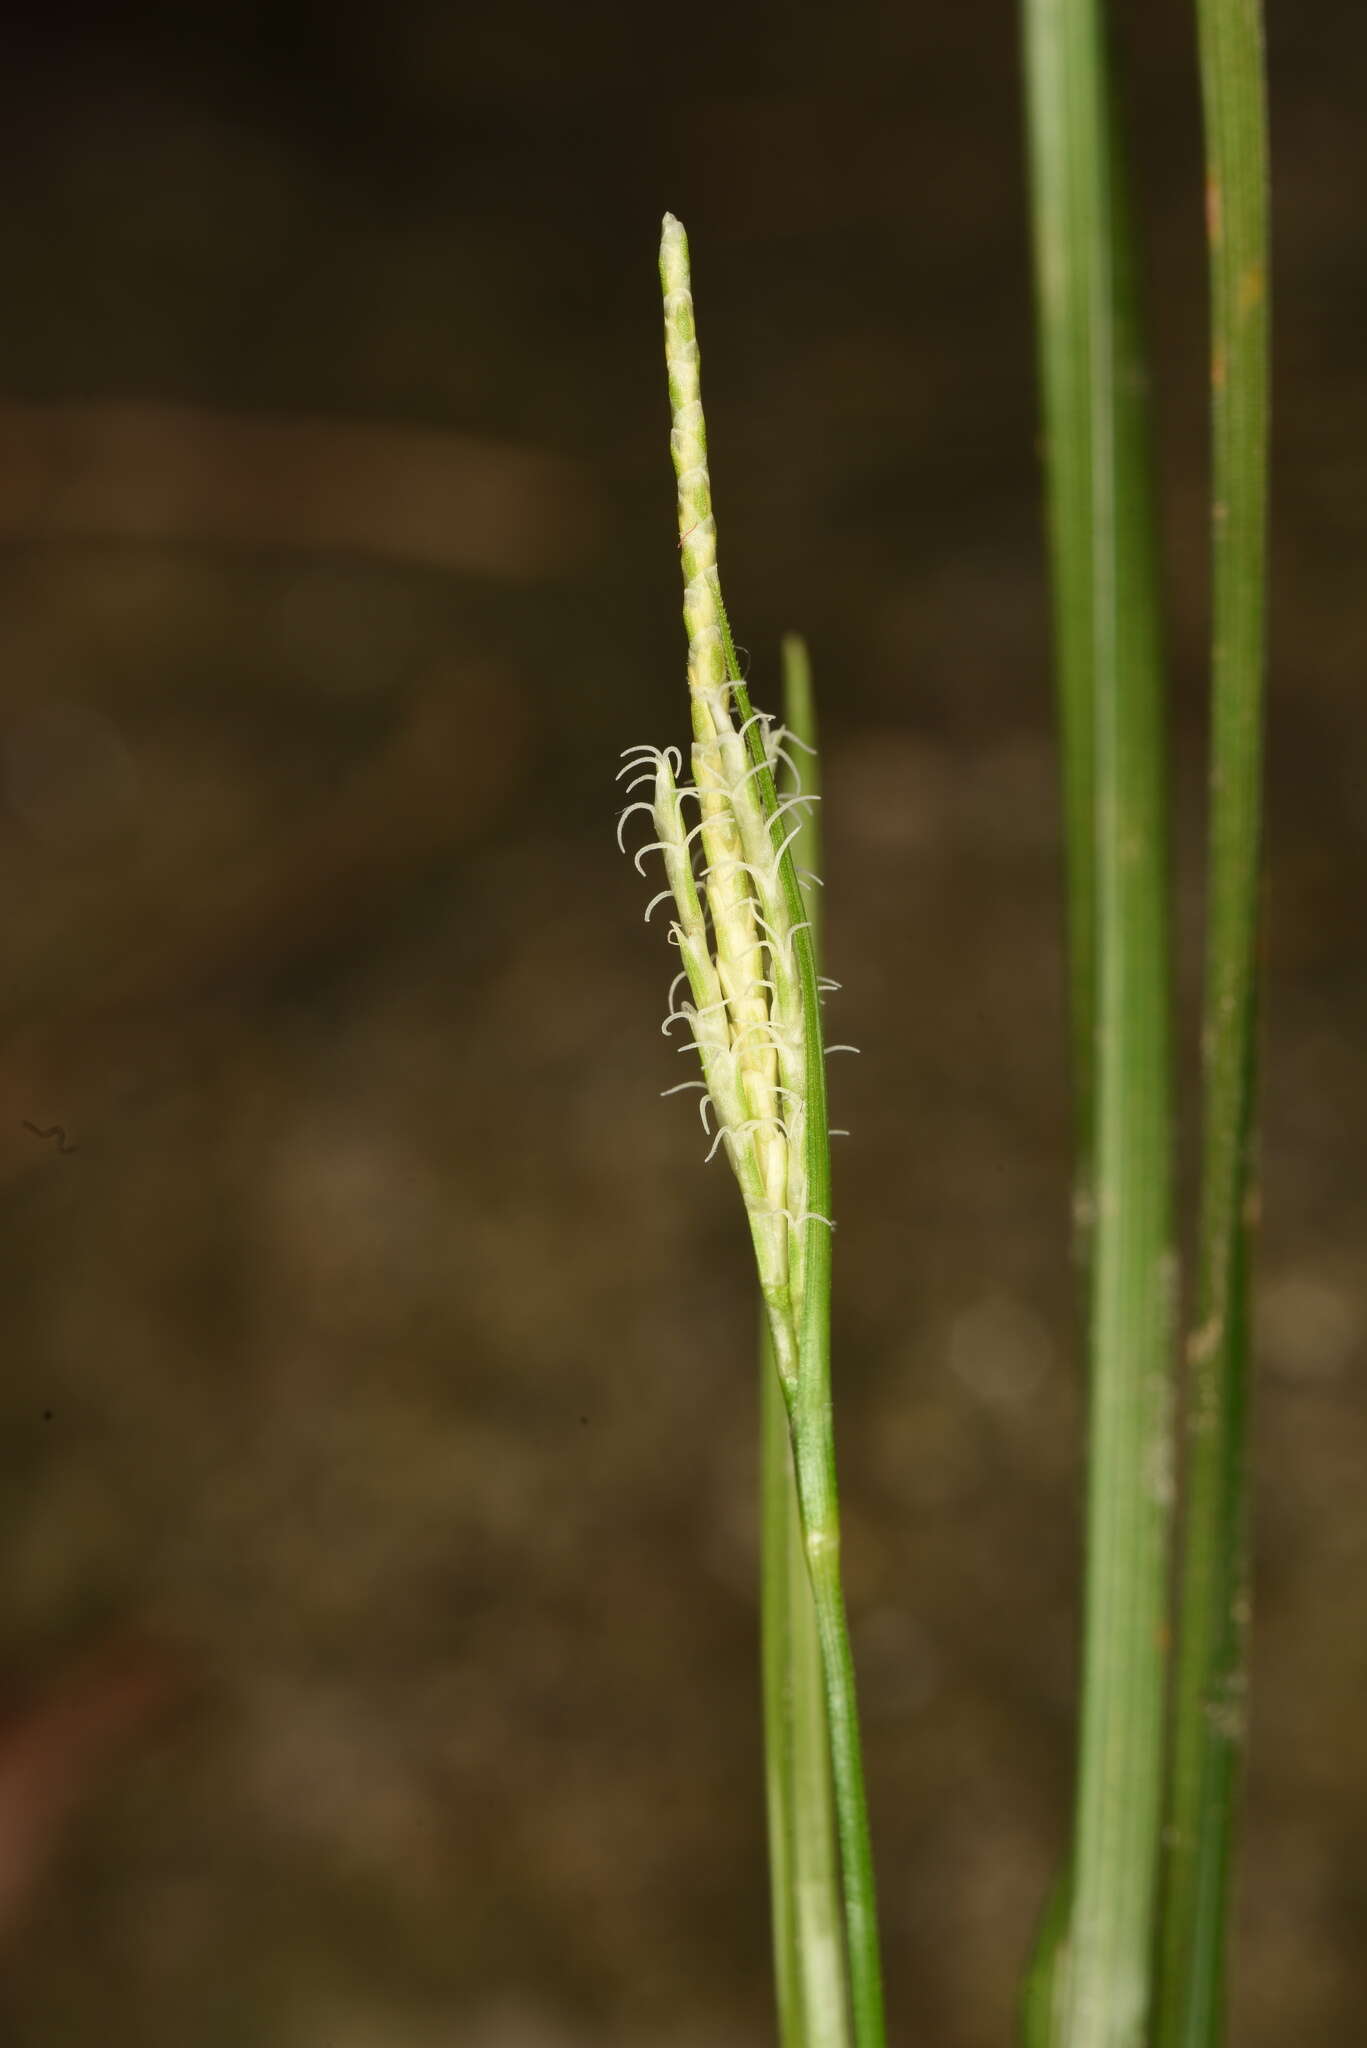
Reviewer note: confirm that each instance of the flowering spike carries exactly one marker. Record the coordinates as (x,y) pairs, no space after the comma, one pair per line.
(734,922)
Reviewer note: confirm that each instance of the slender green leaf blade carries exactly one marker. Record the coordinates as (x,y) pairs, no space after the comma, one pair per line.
(1093,1986)
(1209,1704)
(804,1863)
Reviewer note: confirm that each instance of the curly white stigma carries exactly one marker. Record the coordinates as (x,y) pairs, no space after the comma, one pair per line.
(742,1010)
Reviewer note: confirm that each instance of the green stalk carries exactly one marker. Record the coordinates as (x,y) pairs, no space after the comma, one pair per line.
(1062,327)
(799,1315)
(1097,1977)
(1209,1695)
(812,1426)
(1046,1970)
(803,1861)
(809,1961)
(1063,285)
(783,1684)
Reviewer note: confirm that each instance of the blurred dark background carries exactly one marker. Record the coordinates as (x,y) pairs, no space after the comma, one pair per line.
(377,1615)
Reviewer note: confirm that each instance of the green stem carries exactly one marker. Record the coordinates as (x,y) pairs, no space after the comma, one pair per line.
(1063,328)
(781,1684)
(1062,325)
(804,1864)
(1107,609)
(781,1690)
(1046,1970)
(811,1422)
(1210,1688)
(821,1544)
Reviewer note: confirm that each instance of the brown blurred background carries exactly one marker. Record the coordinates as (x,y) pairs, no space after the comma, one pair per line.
(377,1615)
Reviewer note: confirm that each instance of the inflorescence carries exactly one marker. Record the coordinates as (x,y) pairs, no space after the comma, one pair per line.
(735,937)
(737,916)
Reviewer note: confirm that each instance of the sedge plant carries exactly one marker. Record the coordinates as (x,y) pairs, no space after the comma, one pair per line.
(1131,1952)
(749,999)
